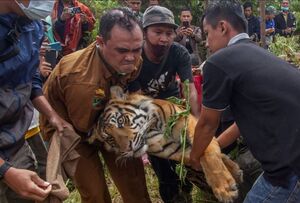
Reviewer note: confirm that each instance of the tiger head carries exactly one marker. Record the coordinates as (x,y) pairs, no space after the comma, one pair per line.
(123,123)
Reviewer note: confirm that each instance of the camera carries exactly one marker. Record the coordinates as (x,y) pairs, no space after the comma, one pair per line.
(186,24)
(74,10)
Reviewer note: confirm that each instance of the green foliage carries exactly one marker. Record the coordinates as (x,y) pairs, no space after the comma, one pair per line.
(98,7)
(180,169)
(153,190)
(197,6)
(287,48)
(296,11)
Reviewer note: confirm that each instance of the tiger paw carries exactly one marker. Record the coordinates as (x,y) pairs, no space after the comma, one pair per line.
(223,185)
(219,178)
(233,168)
(226,193)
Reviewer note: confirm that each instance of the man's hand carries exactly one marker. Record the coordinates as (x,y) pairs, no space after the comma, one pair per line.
(287,30)
(27,184)
(83,17)
(43,48)
(195,161)
(186,31)
(181,32)
(43,106)
(45,67)
(57,122)
(189,32)
(270,30)
(65,14)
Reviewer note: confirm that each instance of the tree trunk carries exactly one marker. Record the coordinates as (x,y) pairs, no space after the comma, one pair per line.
(262,6)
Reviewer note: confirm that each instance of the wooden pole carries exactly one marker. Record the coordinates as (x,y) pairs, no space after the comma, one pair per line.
(205,4)
(262,8)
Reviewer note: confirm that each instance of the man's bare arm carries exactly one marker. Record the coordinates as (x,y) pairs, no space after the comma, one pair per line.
(204,133)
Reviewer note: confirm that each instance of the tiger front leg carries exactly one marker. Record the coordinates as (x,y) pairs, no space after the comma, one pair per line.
(217,175)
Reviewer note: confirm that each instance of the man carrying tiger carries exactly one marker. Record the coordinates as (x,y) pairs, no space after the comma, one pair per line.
(78,89)
(163,59)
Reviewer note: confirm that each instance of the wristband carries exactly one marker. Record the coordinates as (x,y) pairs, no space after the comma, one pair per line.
(4,168)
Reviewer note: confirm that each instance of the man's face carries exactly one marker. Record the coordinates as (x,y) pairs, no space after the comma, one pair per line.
(123,50)
(186,16)
(270,16)
(159,38)
(135,5)
(215,37)
(285,3)
(248,12)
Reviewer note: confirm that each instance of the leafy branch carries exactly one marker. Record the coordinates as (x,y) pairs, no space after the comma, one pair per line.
(180,169)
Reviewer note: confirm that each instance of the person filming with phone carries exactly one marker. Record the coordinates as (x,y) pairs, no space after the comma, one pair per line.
(71,21)
(188,35)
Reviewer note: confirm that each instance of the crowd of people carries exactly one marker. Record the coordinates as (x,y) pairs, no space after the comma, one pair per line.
(282,23)
(247,94)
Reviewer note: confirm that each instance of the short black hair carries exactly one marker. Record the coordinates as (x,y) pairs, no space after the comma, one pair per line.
(122,17)
(185,9)
(229,10)
(247,5)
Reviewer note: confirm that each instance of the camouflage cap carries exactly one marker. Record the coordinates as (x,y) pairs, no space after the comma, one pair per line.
(270,10)
(158,15)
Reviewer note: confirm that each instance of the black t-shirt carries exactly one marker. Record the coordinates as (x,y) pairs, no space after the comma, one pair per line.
(263,92)
(158,80)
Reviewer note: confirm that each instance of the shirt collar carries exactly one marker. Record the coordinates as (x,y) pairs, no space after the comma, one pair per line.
(237,38)
(107,70)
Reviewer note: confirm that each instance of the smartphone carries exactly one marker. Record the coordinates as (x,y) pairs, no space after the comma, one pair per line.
(74,10)
(50,57)
(186,24)
(55,46)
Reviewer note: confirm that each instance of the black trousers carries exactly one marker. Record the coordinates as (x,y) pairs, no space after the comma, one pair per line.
(170,188)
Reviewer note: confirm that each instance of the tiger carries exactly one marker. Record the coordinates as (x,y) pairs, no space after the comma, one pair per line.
(132,125)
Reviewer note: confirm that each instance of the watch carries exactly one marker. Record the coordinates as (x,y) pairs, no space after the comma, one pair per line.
(3,169)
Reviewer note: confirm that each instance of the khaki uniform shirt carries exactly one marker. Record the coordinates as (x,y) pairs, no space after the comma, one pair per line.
(75,82)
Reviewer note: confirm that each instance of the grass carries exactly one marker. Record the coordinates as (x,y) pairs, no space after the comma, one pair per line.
(152,184)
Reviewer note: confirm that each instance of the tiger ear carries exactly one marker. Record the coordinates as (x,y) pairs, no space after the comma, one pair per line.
(117,92)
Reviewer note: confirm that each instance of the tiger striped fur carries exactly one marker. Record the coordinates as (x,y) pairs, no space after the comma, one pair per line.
(132,125)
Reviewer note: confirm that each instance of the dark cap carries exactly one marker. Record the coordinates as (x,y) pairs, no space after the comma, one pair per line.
(158,15)
(270,10)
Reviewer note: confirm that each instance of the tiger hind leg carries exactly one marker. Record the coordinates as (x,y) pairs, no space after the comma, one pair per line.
(218,177)
(233,168)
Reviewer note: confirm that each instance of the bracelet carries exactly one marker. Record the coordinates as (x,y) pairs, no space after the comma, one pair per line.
(4,168)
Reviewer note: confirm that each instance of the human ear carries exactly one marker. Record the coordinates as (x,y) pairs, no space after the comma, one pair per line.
(100,40)
(223,27)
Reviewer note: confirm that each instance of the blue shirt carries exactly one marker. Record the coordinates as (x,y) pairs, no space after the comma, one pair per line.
(19,81)
(22,68)
(270,24)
